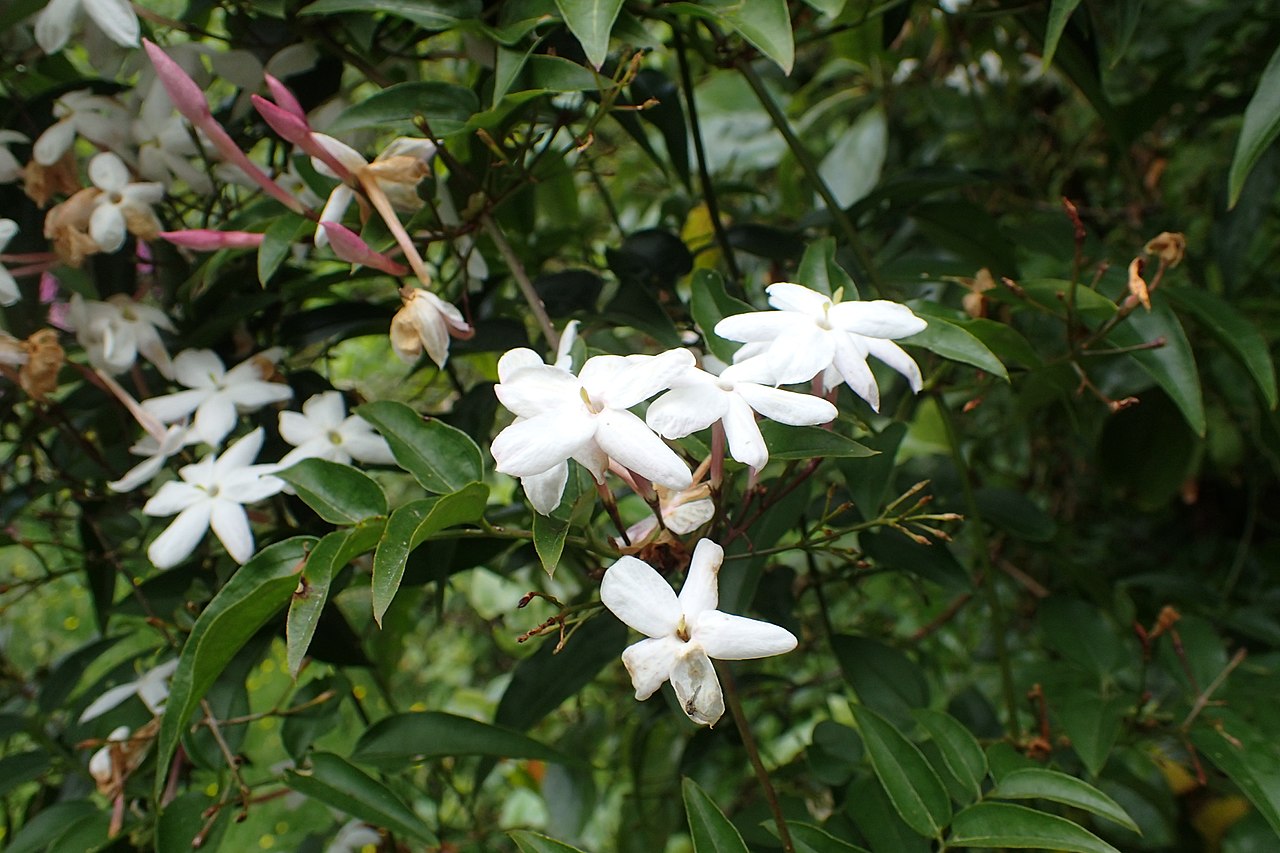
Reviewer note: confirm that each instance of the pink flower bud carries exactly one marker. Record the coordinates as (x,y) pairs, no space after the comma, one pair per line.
(293,129)
(284,98)
(185,93)
(208,240)
(348,246)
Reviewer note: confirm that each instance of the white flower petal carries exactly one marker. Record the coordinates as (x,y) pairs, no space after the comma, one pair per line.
(851,362)
(641,378)
(630,443)
(215,418)
(728,637)
(139,474)
(231,526)
(897,358)
(334,209)
(545,490)
(55,25)
(297,429)
(683,411)
(198,368)
(538,388)
(746,444)
(174,407)
(516,359)
(786,296)
(108,172)
(787,407)
(173,497)
(687,517)
(365,445)
(326,409)
(56,139)
(761,325)
(649,663)
(877,319)
(638,595)
(240,454)
(531,446)
(180,538)
(108,700)
(107,227)
(700,592)
(801,354)
(696,686)
(251,396)
(115,18)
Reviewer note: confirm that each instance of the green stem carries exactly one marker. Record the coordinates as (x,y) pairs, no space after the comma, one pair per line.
(811,171)
(988,576)
(753,753)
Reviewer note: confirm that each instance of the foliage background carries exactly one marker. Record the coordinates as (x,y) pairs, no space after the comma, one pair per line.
(1092,612)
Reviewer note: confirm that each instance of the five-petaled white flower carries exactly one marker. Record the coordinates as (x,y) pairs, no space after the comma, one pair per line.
(699,398)
(811,332)
(323,430)
(212,494)
(562,417)
(216,394)
(115,18)
(9,292)
(97,118)
(122,206)
(425,321)
(114,332)
(685,632)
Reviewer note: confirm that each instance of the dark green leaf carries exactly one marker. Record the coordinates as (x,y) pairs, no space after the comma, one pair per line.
(915,790)
(531,842)
(44,828)
(255,593)
(402,740)
(934,563)
(591,21)
(338,493)
(1148,451)
(710,303)
(331,553)
(1261,127)
(447,107)
(882,677)
(1173,365)
(1043,784)
(435,15)
(1234,331)
(989,825)
(951,340)
(1059,12)
(961,752)
(1015,514)
(22,767)
(1093,724)
(277,243)
(877,820)
(409,526)
(183,819)
(819,270)
(766,24)
(336,783)
(1248,757)
(808,442)
(812,839)
(442,459)
(557,74)
(711,830)
(1083,635)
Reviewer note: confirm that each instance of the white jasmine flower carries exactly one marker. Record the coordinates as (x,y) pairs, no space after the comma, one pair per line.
(58,21)
(9,293)
(685,632)
(212,494)
(114,332)
(151,687)
(425,321)
(699,398)
(157,452)
(123,206)
(216,394)
(166,150)
(562,417)
(683,511)
(396,170)
(101,763)
(97,118)
(811,332)
(10,168)
(323,430)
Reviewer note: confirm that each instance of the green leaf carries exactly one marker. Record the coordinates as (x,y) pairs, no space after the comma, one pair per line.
(951,340)
(591,21)
(401,740)
(1234,331)
(1004,825)
(550,531)
(331,553)
(183,819)
(1059,12)
(255,593)
(1092,723)
(883,678)
(915,790)
(1261,127)
(436,15)
(819,270)
(1039,783)
(712,832)
(531,842)
(1248,757)
(852,166)
(811,839)
(1172,366)
(709,304)
(442,459)
(447,107)
(338,493)
(557,74)
(807,442)
(961,752)
(46,826)
(335,782)
(277,243)
(22,767)
(1014,513)
(409,526)
(766,24)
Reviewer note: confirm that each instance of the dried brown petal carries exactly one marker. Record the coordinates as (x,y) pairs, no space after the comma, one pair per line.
(42,183)
(1170,246)
(39,376)
(1137,284)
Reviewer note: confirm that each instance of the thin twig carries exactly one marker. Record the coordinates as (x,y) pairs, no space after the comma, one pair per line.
(753,752)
